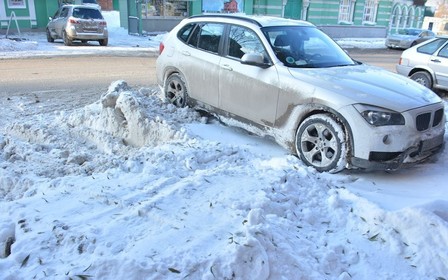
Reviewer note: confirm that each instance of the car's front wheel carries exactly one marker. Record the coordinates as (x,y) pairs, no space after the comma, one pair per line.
(422,78)
(320,143)
(176,91)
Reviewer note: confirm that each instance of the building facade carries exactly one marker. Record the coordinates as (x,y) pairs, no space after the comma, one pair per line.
(355,18)
(28,14)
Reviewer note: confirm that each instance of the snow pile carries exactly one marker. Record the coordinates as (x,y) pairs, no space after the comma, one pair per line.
(8,45)
(362,43)
(130,187)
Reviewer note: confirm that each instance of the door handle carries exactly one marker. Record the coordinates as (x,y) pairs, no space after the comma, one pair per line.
(435,60)
(227,67)
(186,53)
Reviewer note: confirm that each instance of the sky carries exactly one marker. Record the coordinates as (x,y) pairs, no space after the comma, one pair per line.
(130,187)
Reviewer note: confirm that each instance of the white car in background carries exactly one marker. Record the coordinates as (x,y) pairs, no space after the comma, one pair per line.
(427,63)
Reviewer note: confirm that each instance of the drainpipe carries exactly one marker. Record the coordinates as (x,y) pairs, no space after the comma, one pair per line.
(283,7)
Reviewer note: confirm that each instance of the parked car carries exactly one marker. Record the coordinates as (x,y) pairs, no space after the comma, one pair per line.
(408,37)
(287,79)
(427,63)
(78,22)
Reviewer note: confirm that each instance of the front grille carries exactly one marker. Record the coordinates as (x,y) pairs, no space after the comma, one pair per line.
(438,116)
(422,121)
(427,120)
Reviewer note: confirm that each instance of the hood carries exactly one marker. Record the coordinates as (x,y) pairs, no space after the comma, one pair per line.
(366,85)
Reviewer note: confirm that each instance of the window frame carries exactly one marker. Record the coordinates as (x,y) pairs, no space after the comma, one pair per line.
(370,12)
(16,4)
(346,11)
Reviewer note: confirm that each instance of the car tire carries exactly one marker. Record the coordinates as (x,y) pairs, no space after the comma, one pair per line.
(423,78)
(320,143)
(103,42)
(67,40)
(176,91)
(49,38)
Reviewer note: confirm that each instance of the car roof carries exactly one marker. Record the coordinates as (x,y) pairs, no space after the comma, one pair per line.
(262,21)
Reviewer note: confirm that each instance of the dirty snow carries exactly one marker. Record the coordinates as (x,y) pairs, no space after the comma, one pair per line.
(130,187)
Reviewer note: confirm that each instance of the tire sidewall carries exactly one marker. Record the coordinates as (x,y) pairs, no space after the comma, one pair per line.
(336,129)
(178,78)
(422,75)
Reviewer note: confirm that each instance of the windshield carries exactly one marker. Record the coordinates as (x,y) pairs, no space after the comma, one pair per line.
(89,1)
(305,47)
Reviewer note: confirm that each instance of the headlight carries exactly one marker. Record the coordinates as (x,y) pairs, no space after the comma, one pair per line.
(378,116)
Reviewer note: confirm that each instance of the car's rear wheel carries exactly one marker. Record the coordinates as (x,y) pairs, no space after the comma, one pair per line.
(176,91)
(49,38)
(67,40)
(103,42)
(422,78)
(320,143)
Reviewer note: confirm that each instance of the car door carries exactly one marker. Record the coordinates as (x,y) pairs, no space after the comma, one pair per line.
(52,23)
(199,60)
(61,21)
(247,91)
(439,64)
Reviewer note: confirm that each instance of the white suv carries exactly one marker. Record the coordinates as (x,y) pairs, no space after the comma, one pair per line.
(287,79)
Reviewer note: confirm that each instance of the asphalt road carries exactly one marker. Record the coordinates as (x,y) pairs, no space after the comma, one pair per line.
(385,58)
(63,83)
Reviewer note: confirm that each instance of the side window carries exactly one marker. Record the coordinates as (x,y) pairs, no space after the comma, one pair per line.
(209,36)
(64,13)
(243,41)
(444,51)
(431,47)
(185,32)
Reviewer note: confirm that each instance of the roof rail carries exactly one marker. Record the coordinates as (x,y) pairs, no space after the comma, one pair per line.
(248,19)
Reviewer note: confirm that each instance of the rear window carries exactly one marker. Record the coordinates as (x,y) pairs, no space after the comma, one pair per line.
(432,47)
(84,13)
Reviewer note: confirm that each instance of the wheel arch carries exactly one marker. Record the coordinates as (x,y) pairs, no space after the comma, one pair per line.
(423,69)
(170,71)
(315,109)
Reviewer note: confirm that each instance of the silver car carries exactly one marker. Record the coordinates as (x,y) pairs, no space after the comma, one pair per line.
(427,64)
(287,79)
(78,22)
(408,37)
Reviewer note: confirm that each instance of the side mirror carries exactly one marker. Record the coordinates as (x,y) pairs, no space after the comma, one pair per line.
(254,59)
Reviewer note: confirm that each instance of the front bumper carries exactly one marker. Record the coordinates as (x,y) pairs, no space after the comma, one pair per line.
(390,147)
(410,156)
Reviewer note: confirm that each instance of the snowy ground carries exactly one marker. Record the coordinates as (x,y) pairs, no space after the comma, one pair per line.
(130,187)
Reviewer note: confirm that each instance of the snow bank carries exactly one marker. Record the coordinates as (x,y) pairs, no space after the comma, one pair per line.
(130,187)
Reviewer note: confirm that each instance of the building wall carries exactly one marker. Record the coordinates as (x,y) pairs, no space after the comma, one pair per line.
(33,14)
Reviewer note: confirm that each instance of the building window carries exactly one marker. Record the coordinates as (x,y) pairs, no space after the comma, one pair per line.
(346,9)
(168,8)
(13,4)
(370,11)
(223,6)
